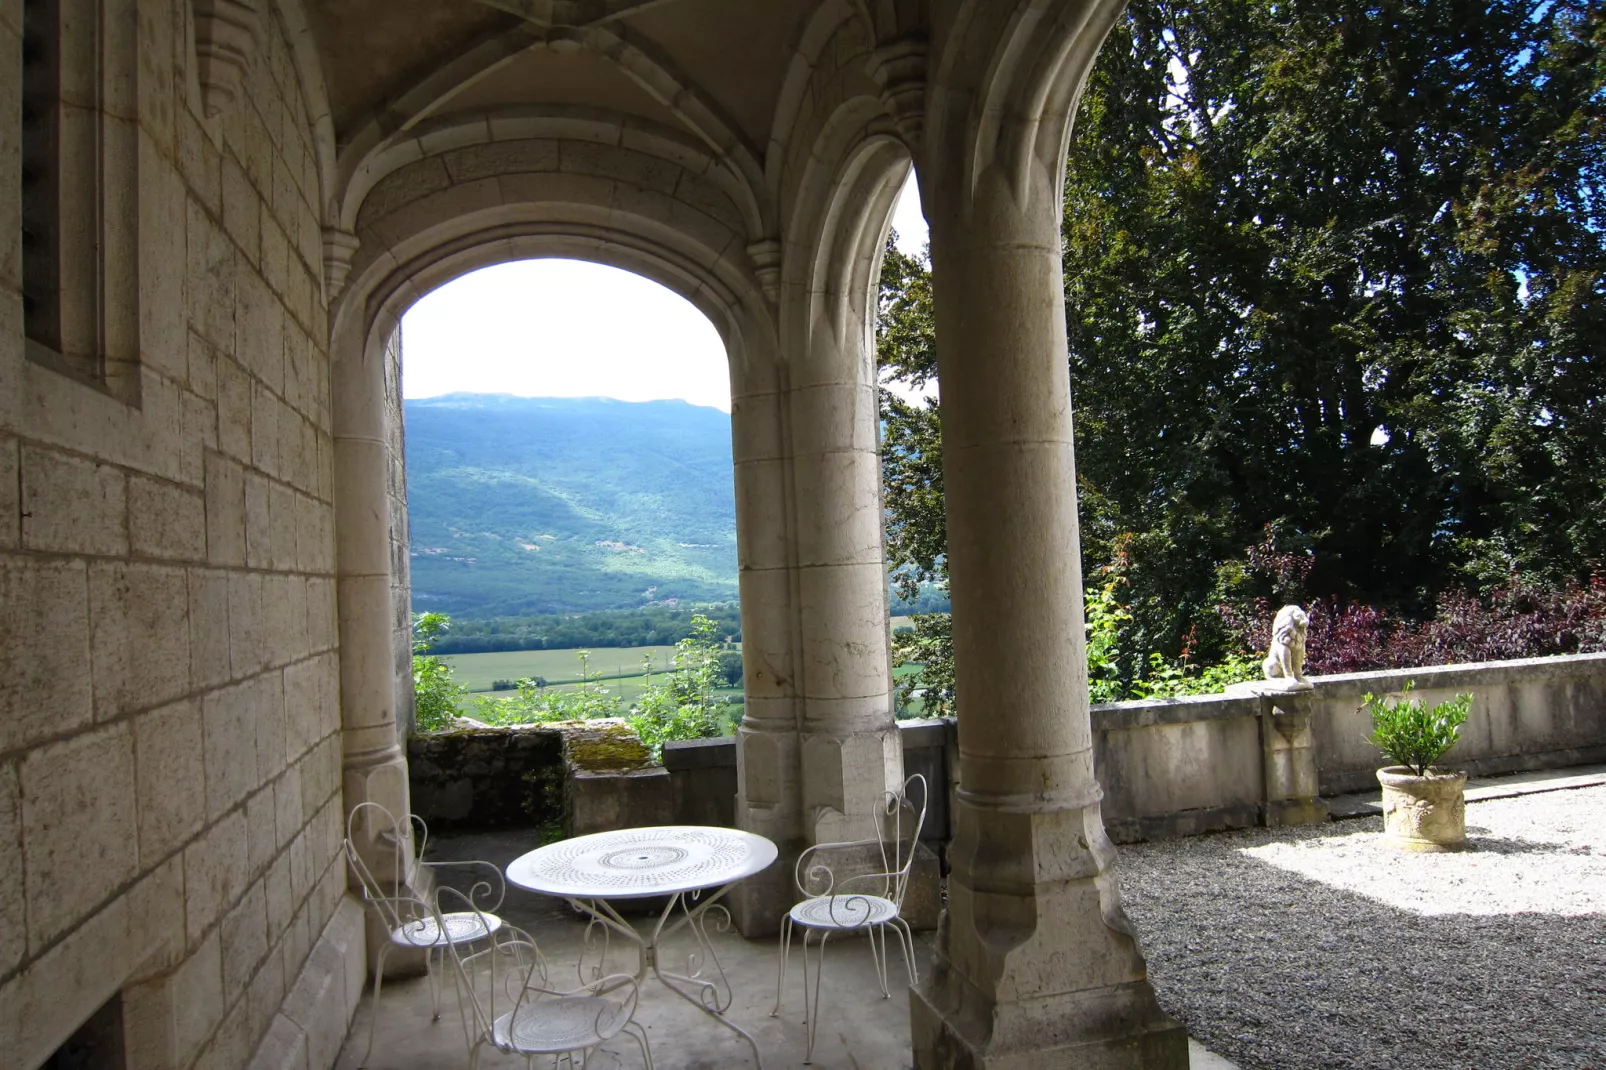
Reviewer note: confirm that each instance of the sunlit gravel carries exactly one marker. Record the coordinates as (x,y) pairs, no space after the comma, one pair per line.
(1324,947)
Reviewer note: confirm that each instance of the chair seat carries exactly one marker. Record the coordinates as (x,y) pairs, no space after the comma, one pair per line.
(843,911)
(462,926)
(550,1026)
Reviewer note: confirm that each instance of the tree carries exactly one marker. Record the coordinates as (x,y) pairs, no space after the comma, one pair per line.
(1340,266)
(435,693)
(911,472)
(1333,267)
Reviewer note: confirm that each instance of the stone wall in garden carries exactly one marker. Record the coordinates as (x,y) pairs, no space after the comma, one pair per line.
(1167,766)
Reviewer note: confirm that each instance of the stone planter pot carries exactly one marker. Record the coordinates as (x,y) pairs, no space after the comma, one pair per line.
(1424,813)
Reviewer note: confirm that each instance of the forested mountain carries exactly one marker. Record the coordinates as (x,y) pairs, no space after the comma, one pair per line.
(554,505)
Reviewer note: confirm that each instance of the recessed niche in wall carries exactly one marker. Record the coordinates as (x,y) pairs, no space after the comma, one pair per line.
(80,206)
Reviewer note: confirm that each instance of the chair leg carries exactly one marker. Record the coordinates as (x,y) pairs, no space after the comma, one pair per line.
(819,971)
(781,955)
(906,939)
(640,1036)
(431,955)
(373,1017)
(877,938)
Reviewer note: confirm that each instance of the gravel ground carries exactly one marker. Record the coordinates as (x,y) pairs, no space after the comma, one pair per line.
(1323,947)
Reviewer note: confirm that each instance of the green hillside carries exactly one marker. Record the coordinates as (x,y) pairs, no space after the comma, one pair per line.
(557,505)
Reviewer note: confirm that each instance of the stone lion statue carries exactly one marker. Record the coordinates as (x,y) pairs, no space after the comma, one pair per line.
(1286,659)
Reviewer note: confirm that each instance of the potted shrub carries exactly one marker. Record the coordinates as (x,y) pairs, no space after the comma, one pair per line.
(1424,808)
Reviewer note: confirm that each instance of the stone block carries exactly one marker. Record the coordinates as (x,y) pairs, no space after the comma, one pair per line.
(242,212)
(282,517)
(210,282)
(170,776)
(139,635)
(264,429)
(268,720)
(197,998)
(10,507)
(209,628)
(275,256)
(278,900)
(163,328)
(216,868)
(304,694)
(199,436)
(13,930)
(261,835)
(202,371)
(79,831)
(166,520)
(70,505)
(260,321)
(199,162)
(602,801)
(225,511)
(265,993)
(283,1047)
(230,1046)
(244,939)
(288,815)
(233,410)
(245,624)
(318,1003)
(45,680)
(258,521)
(230,745)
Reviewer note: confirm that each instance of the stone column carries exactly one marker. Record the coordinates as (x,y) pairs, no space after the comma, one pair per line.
(768,789)
(818,747)
(1037,965)
(851,754)
(374,767)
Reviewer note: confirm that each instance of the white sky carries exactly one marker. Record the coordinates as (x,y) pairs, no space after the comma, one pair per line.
(567,328)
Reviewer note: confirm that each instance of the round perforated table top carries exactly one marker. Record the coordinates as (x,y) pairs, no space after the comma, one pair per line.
(630,863)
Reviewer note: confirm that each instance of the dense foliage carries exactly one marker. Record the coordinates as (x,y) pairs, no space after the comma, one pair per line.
(647,626)
(1340,266)
(1336,272)
(435,693)
(1411,735)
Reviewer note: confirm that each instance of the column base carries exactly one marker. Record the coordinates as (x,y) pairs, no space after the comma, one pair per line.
(1283,813)
(954,1026)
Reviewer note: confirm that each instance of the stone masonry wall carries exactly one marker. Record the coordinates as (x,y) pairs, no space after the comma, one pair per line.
(169,727)
(400,541)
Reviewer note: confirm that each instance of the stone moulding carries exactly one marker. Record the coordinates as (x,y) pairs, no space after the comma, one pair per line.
(900,69)
(227,36)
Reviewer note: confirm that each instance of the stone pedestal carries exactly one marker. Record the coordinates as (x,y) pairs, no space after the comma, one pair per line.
(1291,794)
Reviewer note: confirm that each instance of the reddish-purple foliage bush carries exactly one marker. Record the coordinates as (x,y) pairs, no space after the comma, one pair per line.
(1522,618)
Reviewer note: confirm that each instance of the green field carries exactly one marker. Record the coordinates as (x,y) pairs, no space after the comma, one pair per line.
(477,671)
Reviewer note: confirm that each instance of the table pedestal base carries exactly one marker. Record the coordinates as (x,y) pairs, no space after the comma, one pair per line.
(710,993)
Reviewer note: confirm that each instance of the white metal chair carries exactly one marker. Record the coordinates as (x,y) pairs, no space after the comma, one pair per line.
(411,920)
(507,1003)
(868,902)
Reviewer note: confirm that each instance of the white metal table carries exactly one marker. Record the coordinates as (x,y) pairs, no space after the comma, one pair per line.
(694,865)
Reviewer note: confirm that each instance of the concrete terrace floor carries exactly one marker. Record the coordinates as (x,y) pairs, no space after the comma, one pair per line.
(860,1029)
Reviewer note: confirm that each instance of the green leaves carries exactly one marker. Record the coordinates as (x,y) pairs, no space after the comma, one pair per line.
(435,694)
(1410,735)
(1290,227)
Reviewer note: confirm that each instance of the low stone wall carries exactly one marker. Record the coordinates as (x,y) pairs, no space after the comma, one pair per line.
(1167,766)
(1182,766)
(1539,713)
(569,778)
(488,777)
